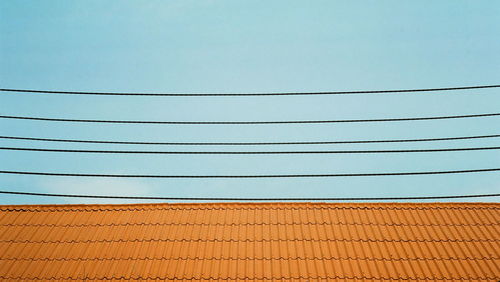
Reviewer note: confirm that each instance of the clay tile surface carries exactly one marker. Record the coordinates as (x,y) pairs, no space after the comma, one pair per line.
(252,242)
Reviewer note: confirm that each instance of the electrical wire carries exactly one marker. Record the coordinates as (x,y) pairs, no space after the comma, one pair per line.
(250,176)
(249,199)
(249,94)
(248,152)
(248,122)
(249,143)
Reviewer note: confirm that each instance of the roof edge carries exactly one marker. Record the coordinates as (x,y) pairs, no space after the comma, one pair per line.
(262,204)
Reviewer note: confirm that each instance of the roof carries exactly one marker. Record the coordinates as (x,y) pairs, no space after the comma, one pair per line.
(249,241)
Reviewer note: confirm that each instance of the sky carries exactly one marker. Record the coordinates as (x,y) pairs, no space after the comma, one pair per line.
(243,47)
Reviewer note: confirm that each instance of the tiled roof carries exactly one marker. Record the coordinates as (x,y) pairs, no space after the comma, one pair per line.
(253,242)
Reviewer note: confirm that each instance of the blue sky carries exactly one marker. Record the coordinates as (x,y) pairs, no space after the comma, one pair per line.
(249,46)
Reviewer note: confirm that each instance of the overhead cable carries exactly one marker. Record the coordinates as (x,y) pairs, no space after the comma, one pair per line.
(250,94)
(248,152)
(247,122)
(251,176)
(249,199)
(249,143)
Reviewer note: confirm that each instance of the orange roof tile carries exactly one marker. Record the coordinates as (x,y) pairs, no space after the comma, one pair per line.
(248,241)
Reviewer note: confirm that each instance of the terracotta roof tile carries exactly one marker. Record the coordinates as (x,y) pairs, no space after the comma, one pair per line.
(254,242)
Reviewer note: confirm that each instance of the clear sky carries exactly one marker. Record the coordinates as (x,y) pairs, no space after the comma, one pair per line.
(249,46)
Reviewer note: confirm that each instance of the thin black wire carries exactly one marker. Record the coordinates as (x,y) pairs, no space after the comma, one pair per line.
(250,94)
(248,199)
(250,176)
(249,143)
(248,152)
(248,122)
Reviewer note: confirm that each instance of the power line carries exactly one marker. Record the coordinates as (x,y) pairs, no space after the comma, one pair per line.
(249,143)
(248,152)
(251,176)
(247,199)
(248,122)
(249,94)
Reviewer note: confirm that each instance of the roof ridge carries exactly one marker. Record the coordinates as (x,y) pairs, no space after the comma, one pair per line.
(250,203)
(248,206)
